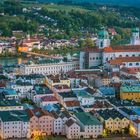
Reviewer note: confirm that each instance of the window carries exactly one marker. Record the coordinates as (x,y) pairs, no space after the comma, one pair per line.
(137,64)
(130,64)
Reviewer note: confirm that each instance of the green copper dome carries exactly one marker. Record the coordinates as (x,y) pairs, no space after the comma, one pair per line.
(135,30)
(103,34)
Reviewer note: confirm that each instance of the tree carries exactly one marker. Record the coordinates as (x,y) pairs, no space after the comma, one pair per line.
(116,39)
(12,7)
(81,43)
(89,42)
(36,50)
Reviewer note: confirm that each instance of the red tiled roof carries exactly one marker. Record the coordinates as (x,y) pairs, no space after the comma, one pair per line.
(127,48)
(137,121)
(102,104)
(2,85)
(61,86)
(130,48)
(118,85)
(32,112)
(74,75)
(24,45)
(130,70)
(48,98)
(56,78)
(116,74)
(31,40)
(72,103)
(38,112)
(120,60)
(111,30)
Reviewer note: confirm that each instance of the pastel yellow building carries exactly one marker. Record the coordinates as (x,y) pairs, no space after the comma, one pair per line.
(130,93)
(113,120)
(106,81)
(57,80)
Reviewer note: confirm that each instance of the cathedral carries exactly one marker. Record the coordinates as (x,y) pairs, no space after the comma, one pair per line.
(104,54)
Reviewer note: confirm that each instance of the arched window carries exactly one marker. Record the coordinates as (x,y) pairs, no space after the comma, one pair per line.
(130,64)
(102,44)
(137,64)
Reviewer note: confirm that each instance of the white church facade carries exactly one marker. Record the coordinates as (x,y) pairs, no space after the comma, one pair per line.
(103,52)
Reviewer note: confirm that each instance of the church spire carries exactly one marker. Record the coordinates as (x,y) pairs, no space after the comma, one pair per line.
(135,39)
(103,40)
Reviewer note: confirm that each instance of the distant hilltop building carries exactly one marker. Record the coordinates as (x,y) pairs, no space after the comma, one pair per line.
(103,53)
(135,39)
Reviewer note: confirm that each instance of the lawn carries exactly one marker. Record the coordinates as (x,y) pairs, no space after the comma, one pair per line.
(55,7)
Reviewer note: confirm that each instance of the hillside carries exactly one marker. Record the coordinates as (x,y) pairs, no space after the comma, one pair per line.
(114,2)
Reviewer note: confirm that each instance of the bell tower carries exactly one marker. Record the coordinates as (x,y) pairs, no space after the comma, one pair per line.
(135,39)
(103,40)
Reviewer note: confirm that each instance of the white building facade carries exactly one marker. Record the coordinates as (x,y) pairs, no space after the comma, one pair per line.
(14,124)
(52,68)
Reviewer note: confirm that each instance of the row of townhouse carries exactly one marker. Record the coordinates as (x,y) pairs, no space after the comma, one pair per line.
(54,119)
(29,43)
(30,85)
(31,123)
(131,112)
(113,120)
(64,82)
(38,122)
(75,98)
(133,115)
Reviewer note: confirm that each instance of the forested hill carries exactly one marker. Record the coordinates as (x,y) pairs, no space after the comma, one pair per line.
(114,2)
